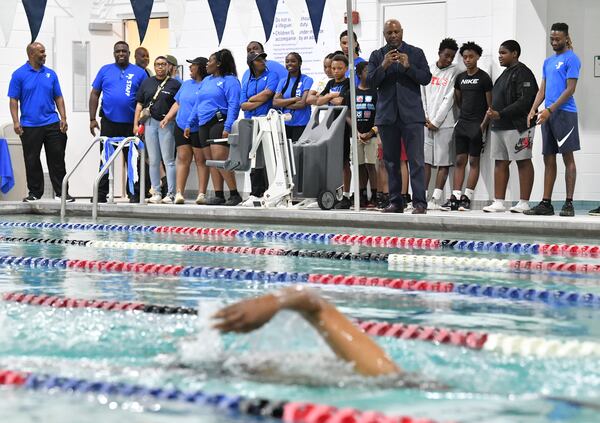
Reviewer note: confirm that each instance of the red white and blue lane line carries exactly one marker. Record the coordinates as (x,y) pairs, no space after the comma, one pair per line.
(526,346)
(332,238)
(548,297)
(286,411)
(396,261)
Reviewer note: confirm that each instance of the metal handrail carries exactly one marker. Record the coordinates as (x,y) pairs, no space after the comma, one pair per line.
(65,181)
(109,163)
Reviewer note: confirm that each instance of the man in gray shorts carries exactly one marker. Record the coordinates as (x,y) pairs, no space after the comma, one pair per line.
(438,103)
(512,138)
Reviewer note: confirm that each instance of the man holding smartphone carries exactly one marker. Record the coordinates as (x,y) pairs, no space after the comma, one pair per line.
(397,71)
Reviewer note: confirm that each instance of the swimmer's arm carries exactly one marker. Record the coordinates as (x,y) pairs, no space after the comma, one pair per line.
(346,340)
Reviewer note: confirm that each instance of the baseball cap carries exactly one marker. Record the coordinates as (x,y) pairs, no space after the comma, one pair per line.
(253,56)
(202,61)
(172,60)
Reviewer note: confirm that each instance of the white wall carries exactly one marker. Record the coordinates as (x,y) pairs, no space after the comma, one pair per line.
(488,22)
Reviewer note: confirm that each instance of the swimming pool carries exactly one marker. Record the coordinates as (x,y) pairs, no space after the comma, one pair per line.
(512,381)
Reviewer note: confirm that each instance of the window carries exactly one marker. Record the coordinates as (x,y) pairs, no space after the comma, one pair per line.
(81,75)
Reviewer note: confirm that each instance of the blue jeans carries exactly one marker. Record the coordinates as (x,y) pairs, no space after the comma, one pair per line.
(160,142)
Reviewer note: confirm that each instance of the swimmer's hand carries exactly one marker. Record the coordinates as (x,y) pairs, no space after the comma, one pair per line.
(248,315)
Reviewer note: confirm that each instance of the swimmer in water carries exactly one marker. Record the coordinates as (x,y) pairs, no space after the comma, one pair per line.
(346,340)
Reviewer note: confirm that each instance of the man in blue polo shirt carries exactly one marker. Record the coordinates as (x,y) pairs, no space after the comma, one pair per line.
(118,83)
(259,83)
(37,90)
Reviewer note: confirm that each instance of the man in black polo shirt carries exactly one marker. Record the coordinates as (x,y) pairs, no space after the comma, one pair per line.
(398,70)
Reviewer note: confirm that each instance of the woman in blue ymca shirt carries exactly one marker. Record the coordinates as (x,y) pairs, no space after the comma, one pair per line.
(216,108)
(291,95)
(185,99)
(158,94)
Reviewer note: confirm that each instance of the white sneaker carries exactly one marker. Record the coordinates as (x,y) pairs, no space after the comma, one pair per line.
(201,198)
(179,199)
(520,207)
(409,207)
(496,207)
(155,199)
(250,201)
(169,199)
(433,205)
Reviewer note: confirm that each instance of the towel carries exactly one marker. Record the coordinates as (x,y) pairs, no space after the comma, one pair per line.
(132,158)
(7,177)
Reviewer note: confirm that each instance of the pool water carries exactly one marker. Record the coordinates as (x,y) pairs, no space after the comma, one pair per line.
(180,351)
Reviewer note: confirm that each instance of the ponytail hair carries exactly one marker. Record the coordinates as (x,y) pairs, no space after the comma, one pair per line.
(296,82)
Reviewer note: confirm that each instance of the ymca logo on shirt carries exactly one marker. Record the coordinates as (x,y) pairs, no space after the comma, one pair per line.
(559,64)
(220,84)
(47,74)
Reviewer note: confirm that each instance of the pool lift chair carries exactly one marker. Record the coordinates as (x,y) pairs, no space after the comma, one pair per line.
(261,142)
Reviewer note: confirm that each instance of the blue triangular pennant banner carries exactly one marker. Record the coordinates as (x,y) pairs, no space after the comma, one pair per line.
(219,9)
(315,11)
(142,10)
(35,15)
(267,10)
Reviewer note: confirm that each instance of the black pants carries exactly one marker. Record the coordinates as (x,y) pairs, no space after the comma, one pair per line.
(413,135)
(117,129)
(55,144)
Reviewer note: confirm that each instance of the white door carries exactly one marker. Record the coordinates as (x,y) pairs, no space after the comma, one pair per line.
(424,24)
(76,66)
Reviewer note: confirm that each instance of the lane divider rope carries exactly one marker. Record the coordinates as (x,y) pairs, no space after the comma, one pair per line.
(549,297)
(107,305)
(289,412)
(346,239)
(498,343)
(225,249)
(395,260)
(482,263)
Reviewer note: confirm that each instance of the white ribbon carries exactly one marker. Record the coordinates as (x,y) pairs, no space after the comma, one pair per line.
(81,11)
(176,10)
(7,18)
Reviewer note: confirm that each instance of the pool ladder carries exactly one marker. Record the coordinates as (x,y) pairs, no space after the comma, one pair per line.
(108,166)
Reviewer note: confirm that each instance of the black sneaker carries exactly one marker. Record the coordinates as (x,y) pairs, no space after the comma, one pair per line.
(450,205)
(343,204)
(215,201)
(407,199)
(567,209)
(69,198)
(595,212)
(382,200)
(542,209)
(464,204)
(30,199)
(233,200)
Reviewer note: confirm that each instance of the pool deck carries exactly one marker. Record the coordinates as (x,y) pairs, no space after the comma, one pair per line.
(581,226)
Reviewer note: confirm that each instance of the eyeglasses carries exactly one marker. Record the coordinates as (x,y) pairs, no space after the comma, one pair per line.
(160,65)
